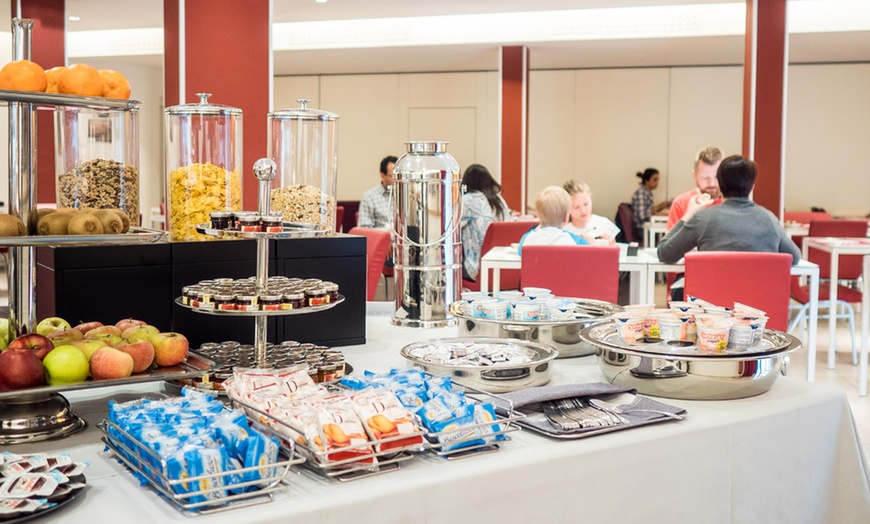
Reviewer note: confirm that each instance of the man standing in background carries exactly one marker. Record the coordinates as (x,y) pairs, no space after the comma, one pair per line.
(704,171)
(376,206)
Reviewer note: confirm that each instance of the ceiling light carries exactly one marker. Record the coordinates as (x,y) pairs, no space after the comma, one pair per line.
(321,1)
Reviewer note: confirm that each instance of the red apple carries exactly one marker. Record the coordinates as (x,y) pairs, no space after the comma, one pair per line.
(21,368)
(65,337)
(140,332)
(128,323)
(169,348)
(108,339)
(89,345)
(109,363)
(101,330)
(84,327)
(39,344)
(142,352)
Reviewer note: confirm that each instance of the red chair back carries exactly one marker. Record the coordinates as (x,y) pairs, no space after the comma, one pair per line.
(377,245)
(760,280)
(573,271)
(339,219)
(502,234)
(850,266)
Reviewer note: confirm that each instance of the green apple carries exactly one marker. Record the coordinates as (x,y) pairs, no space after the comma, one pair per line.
(4,333)
(50,324)
(88,346)
(65,365)
(140,332)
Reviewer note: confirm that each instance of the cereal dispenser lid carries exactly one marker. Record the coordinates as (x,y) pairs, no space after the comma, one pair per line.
(202,108)
(303,113)
(426,147)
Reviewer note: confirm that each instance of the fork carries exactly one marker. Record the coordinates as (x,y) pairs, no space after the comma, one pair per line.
(558,419)
(587,417)
(613,415)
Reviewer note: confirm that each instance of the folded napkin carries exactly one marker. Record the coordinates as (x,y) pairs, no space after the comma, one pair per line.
(529,401)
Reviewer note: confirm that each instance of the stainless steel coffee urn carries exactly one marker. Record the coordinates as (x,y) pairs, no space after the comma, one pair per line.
(427,251)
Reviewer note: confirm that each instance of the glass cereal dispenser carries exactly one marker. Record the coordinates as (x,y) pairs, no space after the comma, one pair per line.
(303,143)
(203,164)
(97,159)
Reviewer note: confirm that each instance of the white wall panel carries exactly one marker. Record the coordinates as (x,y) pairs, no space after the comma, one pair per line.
(552,123)
(289,89)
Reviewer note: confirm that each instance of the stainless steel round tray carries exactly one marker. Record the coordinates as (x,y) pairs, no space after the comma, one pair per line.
(136,235)
(691,374)
(291,230)
(260,313)
(561,335)
(497,378)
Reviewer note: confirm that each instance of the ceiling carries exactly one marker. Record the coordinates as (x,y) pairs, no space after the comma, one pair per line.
(650,52)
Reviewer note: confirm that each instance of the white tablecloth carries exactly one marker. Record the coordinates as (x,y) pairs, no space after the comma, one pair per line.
(791,455)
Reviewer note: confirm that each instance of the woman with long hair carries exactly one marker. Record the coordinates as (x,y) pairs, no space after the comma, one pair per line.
(482,204)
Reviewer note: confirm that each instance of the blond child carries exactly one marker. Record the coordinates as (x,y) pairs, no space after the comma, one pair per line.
(552,206)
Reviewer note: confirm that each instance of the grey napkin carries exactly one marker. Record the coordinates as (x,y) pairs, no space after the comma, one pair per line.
(528,401)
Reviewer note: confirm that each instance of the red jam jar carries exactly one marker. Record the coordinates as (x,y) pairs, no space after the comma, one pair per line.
(247,303)
(316,296)
(225,302)
(221,219)
(270,302)
(331,289)
(249,223)
(292,300)
(272,223)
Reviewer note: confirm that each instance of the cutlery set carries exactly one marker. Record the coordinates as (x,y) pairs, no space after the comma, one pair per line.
(571,414)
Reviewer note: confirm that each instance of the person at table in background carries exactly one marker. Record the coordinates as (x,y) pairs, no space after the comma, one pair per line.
(553,207)
(737,224)
(704,171)
(642,203)
(376,206)
(482,204)
(582,221)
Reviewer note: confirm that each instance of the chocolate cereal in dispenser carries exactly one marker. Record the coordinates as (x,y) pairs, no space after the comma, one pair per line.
(203,165)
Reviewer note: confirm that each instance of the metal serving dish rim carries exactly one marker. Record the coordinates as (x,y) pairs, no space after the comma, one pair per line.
(549,353)
(790,343)
(457,309)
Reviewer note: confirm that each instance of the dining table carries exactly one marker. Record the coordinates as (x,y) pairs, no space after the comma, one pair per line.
(643,268)
(653,229)
(791,454)
(837,247)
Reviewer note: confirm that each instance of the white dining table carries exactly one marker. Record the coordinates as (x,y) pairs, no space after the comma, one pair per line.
(837,247)
(653,229)
(643,269)
(789,455)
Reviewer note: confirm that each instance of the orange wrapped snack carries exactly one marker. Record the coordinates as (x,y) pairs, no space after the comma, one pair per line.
(386,418)
(343,432)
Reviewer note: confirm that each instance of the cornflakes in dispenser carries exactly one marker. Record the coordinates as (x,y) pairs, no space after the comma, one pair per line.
(197,190)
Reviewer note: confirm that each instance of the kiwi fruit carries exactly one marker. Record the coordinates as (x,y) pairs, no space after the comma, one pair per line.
(124,219)
(84,224)
(54,223)
(11,226)
(110,220)
(42,211)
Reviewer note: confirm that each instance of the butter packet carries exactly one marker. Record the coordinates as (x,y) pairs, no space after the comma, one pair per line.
(73,469)
(26,464)
(10,507)
(27,485)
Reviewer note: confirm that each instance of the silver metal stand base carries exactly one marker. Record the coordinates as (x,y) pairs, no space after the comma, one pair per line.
(33,418)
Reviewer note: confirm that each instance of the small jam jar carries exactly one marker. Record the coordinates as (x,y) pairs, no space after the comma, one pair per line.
(331,289)
(221,219)
(249,223)
(293,300)
(315,296)
(225,302)
(326,372)
(312,372)
(205,298)
(247,303)
(270,302)
(188,294)
(272,223)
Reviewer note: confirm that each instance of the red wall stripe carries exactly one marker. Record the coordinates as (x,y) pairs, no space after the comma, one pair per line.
(514,131)
(47,50)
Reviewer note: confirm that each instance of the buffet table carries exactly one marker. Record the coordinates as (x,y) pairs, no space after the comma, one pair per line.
(789,455)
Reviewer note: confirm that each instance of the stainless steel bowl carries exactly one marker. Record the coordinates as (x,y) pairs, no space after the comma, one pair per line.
(499,378)
(691,375)
(561,335)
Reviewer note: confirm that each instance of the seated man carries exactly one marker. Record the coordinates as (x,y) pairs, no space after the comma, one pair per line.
(553,206)
(704,172)
(376,206)
(737,224)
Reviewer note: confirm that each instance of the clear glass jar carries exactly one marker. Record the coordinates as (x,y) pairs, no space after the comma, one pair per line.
(303,143)
(97,159)
(203,164)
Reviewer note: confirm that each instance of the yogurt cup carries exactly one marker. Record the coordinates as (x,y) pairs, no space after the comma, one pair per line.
(537,293)
(491,308)
(713,333)
(629,326)
(527,310)
(560,309)
(639,308)
(684,307)
(740,336)
(675,327)
(511,295)
(471,296)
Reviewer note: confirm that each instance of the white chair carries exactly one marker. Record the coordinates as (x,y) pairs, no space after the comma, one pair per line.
(158,219)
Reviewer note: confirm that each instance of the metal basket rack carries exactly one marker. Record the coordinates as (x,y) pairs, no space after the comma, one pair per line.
(153,468)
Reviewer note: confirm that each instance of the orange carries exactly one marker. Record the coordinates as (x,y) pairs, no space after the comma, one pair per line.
(22,75)
(80,79)
(115,85)
(51,77)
